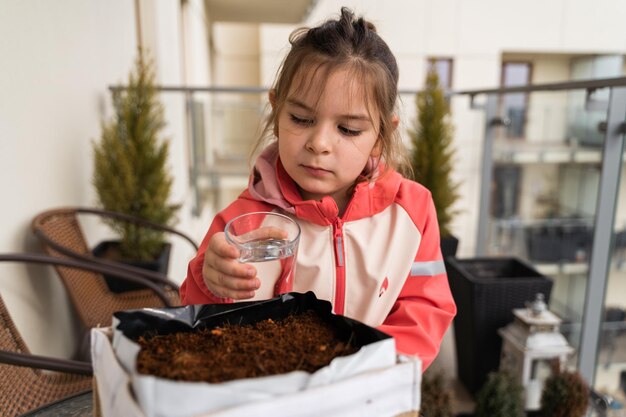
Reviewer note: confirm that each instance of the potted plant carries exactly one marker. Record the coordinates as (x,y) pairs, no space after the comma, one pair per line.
(240,345)
(130,173)
(486,290)
(436,398)
(565,394)
(500,396)
(432,156)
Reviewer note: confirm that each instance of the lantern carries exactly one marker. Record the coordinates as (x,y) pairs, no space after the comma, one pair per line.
(530,344)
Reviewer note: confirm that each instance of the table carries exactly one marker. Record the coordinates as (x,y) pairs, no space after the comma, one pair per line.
(79,405)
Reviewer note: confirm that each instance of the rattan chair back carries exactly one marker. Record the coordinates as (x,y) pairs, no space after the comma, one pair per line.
(23,384)
(61,235)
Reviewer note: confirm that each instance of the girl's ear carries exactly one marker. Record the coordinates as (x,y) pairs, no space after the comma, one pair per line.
(377,149)
(395,121)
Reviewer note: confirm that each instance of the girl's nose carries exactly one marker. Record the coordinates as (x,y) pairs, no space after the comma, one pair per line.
(319,141)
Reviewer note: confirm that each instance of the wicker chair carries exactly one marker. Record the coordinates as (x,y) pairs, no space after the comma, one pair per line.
(61,235)
(23,383)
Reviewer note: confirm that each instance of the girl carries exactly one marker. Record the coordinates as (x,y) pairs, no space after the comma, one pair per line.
(370,239)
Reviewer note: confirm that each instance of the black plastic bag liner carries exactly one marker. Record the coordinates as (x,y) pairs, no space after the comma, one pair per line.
(162,321)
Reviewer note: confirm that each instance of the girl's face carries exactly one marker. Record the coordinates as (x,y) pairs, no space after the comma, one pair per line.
(325,141)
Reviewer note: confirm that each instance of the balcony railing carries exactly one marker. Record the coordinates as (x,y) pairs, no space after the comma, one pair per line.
(592,135)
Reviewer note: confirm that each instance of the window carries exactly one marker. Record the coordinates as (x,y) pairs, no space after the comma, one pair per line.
(514,105)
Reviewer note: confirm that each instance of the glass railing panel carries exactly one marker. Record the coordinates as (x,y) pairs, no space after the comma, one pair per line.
(546,171)
(235,123)
(223,125)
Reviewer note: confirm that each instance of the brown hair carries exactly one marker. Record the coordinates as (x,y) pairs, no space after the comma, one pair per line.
(338,44)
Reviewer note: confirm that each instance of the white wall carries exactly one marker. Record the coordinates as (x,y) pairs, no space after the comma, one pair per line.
(197,72)
(57,61)
(195,43)
(163,36)
(236,117)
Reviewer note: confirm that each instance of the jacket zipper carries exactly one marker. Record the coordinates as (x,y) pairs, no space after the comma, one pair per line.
(340,280)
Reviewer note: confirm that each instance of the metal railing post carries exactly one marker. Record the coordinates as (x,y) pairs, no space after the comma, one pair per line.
(194,162)
(605,216)
(491,122)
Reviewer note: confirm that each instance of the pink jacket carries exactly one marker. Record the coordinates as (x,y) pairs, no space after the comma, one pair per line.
(380,263)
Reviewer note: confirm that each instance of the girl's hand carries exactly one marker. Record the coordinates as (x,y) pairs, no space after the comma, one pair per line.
(224,275)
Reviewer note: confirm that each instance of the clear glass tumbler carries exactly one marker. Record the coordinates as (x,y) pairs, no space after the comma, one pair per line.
(269,241)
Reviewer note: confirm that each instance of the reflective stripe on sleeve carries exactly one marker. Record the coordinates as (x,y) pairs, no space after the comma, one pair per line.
(428,268)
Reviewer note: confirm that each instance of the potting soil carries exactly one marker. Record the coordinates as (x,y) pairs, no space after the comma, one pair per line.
(299,342)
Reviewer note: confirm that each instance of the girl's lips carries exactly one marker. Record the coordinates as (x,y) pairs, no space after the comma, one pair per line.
(316,172)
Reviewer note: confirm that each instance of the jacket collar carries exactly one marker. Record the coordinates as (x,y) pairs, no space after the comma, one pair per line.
(270,183)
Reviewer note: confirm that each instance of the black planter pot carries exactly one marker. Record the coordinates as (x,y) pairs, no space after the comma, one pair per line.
(449,245)
(160,264)
(486,290)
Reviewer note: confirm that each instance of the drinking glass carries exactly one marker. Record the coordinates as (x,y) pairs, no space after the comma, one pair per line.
(269,241)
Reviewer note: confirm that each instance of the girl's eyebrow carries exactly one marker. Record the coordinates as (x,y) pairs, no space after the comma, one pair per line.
(303,106)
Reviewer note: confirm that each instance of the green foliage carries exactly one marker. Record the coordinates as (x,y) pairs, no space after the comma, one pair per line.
(432,154)
(501,396)
(435,395)
(130,174)
(565,394)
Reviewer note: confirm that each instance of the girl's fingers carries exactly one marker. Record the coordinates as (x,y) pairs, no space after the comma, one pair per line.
(224,283)
(217,258)
(224,275)
(236,288)
(238,284)
(220,246)
(231,267)
(234,294)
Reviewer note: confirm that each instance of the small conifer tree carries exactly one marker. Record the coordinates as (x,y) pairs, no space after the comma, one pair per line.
(565,394)
(500,396)
(130,174)
(435,401)
(432,154)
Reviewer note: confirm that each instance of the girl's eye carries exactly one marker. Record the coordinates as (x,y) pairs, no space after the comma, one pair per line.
(300,121)
(349,132)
